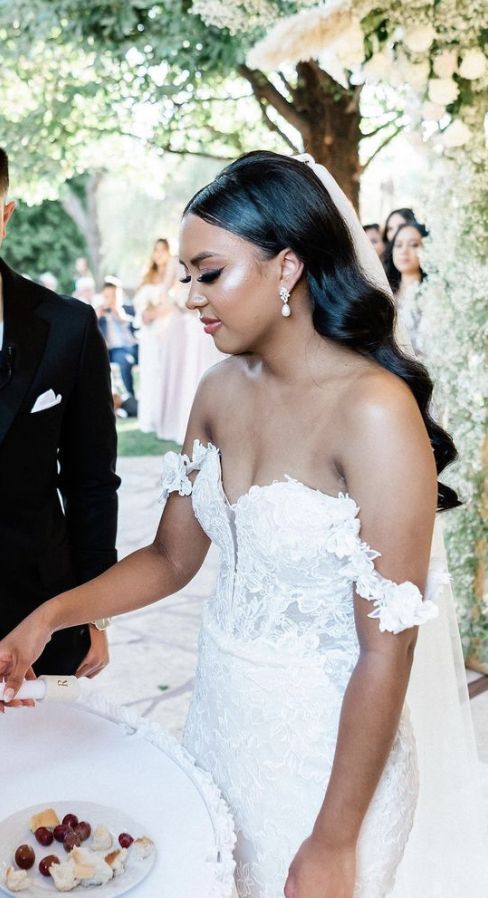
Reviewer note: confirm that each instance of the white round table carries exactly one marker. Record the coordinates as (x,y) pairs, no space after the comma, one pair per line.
(103,753)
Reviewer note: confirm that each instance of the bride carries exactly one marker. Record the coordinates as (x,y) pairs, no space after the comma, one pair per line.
(311,460)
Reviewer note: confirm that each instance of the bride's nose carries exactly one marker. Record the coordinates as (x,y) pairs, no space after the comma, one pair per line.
(195,302)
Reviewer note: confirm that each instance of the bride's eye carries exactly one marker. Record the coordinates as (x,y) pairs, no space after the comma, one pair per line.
(185,280)
(209,276)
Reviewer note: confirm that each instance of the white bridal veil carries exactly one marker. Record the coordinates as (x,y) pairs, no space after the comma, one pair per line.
(447,852)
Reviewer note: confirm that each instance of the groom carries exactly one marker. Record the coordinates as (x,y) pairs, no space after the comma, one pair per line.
(58,503)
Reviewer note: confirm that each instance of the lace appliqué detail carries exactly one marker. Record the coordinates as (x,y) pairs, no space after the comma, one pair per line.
(177,467)
(397,606)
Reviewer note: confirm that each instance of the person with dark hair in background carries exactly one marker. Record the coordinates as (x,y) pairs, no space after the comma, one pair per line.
(373,232)
(396,218)
(57,433)
(311,459)
(405,275)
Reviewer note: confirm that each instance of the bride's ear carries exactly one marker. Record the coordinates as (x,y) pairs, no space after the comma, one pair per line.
(291,268)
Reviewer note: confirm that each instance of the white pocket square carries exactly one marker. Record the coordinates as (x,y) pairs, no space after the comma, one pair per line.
(46,400)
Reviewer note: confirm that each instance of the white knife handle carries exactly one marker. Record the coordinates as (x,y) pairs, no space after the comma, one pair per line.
(49,688)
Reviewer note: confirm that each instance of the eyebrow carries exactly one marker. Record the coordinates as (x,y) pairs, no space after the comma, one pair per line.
(206,254)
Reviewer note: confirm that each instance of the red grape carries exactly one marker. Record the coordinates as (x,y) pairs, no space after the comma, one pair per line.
(46,863)
(71,840)
(84,830)
(44,835)
(70,820)
(61,831)
(125,840)
(25,857)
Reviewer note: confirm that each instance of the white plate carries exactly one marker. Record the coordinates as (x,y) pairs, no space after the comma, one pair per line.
(15,831)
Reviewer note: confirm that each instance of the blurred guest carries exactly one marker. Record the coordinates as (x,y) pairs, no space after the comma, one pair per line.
(154,308)
(85,289)
(373,231)
(115,328)
(48,280)
(395,219)
(125,405)
(188,353)
(405,275)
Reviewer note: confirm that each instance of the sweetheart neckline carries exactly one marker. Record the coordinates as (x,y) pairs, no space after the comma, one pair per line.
(285,481)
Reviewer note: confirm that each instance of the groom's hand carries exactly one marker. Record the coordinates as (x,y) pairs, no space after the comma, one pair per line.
(98,655)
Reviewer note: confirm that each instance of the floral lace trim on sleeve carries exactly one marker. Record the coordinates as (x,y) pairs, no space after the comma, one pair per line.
(397,606)
(177,467)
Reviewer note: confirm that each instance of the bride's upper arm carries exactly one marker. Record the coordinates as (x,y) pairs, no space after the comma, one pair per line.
(389,468)
(179,535)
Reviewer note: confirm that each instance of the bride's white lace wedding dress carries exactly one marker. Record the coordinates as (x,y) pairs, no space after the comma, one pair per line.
(277,648)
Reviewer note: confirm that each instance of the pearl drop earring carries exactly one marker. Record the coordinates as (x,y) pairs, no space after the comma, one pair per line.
(285,298)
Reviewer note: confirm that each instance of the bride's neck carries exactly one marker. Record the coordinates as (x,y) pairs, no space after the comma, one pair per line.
(296,354)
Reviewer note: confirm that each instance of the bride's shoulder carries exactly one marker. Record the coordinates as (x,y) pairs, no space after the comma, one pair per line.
(379,401)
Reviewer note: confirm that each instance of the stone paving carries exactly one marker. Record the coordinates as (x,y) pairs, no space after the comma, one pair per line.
(153,650)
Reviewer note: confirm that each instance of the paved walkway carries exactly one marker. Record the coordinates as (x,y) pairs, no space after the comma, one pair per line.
(154,650)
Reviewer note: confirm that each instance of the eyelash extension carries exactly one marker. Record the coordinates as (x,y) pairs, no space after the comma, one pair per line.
(207,278)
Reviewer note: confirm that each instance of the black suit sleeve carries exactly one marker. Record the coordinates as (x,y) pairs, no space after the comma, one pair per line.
(87,456)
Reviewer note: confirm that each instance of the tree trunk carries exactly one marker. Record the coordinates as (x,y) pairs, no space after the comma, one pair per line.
(85,216)
(325,114)
(333,118)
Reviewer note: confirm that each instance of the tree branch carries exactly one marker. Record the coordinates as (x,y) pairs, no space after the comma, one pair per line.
(391,121)
(263,89)
(381,147)
(274,127)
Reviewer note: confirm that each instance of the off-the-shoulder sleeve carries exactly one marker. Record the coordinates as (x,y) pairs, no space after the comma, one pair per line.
(396,606)
(177,467)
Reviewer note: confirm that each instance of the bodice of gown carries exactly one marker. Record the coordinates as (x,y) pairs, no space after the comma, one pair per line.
(291,557)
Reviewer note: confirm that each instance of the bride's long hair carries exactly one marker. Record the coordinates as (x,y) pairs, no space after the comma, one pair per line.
(275,202)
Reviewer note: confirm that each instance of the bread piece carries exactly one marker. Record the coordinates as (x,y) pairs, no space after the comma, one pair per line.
(47,818)
(142,847)
(117,860)
(16,880)
(64,876)
(102,838)
(90,869)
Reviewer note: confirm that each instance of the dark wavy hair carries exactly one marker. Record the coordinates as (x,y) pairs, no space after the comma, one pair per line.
(392,273)
(276,202)
(407,214)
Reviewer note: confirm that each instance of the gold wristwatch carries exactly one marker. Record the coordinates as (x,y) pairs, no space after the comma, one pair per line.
(101,623)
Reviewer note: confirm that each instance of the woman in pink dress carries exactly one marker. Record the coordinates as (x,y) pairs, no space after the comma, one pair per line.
(154,309)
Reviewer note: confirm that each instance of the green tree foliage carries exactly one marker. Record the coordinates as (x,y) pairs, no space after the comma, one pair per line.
(73,71)
(44,238)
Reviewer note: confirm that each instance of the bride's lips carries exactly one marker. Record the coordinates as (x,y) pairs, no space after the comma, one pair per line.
(210,325)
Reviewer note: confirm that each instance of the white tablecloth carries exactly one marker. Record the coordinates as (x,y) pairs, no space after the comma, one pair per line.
(101,753)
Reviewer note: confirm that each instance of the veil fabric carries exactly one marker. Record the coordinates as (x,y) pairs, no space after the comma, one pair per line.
(447,852)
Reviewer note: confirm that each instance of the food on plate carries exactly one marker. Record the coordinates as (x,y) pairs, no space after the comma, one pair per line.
(46,864)
(84,866)
(61,831)
(143,847)
(64,876)
(125,840)
(47,818)
(25,857)
(83,829)
(16,880)
(44,835)
(117,860)
(90,869)
(72,840)
(102,838)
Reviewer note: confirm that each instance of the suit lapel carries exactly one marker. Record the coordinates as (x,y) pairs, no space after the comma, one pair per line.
(24,343)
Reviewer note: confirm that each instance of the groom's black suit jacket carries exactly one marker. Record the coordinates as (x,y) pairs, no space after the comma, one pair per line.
(58,503)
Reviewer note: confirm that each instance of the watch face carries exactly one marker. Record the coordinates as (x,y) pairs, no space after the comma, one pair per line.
(101,623)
